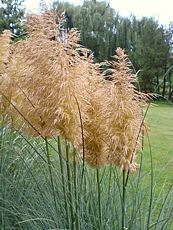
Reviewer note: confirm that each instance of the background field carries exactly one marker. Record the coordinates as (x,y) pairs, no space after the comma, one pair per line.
(160,123)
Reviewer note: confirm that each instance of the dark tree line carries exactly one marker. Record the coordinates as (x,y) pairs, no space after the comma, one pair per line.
(148,44)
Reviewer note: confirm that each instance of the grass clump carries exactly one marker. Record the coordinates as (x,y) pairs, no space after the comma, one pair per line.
(58,120)
(28,198)
(111,112)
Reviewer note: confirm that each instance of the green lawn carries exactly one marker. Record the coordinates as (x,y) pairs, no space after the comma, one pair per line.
(160,123)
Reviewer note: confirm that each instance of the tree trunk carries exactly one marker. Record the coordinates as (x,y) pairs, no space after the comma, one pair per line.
(170,87)
(164,84)
(158,85)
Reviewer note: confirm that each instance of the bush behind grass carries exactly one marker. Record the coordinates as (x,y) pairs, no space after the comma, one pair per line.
(42,188)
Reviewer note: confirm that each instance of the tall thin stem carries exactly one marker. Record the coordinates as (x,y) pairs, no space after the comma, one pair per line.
(83,152)
(51,174)
(151,185)
(138,135)
(1,140)
(83,141)
(69,185)
(124,200)
(99,198)
(75,191)
(63,181)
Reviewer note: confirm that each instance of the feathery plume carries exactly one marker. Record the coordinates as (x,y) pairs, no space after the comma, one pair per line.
(5,40)
(47,79)
(5,53)
(125,109)
(41,85)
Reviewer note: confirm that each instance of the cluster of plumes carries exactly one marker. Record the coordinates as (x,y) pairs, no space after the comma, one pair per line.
(5,54)
(126,115)
(49,88)
(5,40)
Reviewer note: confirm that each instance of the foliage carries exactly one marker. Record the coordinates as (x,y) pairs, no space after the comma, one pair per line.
(11,16)
(151,53)
(95,20)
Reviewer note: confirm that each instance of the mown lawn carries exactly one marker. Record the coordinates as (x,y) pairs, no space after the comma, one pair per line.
(160,130)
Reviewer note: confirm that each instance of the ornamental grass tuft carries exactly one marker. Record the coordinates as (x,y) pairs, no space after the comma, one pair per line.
(53,88)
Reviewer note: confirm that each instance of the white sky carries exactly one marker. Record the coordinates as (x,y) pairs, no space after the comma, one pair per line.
(161,10)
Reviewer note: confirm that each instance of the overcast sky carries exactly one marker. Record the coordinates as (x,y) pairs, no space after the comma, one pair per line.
(161,10)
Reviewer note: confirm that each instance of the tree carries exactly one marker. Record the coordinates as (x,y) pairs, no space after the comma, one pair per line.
(42,6)
(97,28)
(150,54)
(96,22)
(168,76)
(11,16)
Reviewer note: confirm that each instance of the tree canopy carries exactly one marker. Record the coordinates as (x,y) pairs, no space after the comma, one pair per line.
(11,16)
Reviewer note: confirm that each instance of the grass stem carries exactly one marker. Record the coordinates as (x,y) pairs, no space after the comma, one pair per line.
(51,174)
(75,190)
(124,200)
(99,199)
(69,183)
(63,182)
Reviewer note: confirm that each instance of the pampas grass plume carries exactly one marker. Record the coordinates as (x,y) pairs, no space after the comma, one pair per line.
(53,87)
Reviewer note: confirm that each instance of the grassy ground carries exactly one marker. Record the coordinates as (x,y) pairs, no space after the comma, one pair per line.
(160,122)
